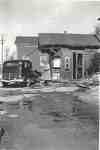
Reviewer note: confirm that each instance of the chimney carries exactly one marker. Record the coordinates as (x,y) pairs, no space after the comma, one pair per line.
(65,32)
(98,18)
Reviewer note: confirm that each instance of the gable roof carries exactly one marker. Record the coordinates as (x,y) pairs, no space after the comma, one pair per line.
(69,40)
(26,39)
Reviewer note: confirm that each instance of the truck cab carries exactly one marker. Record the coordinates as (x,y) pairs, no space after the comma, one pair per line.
(17,72)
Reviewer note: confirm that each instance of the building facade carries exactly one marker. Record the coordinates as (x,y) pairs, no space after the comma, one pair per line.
(60,56)
(27,48)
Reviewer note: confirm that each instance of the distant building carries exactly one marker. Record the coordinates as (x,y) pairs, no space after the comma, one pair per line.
(27,48)
(59,56)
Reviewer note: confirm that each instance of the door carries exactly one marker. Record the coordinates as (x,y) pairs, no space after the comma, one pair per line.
(74,65)
(77,65)
(56,65)
(55,74)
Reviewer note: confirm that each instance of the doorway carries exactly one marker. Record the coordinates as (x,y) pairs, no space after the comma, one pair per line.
(56,65)
(78,66)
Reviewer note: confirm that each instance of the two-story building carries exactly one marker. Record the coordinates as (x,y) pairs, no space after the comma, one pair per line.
(59,56)
(69,54)
(27,48)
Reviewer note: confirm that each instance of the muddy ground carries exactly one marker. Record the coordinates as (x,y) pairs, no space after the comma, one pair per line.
(48,119)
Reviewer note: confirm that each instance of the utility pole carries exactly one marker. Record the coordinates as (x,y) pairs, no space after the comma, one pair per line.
(98,19)
(6,54)
(2,49)
(2,43)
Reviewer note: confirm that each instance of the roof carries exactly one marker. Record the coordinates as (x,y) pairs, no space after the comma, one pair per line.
(16,60)
(69,40)
(25,39)
(98,36)
(62,39)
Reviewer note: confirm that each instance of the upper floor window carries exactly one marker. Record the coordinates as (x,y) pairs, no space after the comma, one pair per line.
(35,43)
(67,63)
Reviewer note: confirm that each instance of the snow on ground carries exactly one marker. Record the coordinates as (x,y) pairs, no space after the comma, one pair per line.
(13,99)
(49,121)
(66,89)
(17,94)
(90,96)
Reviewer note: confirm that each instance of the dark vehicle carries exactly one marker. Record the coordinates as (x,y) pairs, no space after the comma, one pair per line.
(19,72)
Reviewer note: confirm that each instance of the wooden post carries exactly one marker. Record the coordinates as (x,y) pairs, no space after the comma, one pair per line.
(2,49)
(72,64)
(76,66)
(83,66)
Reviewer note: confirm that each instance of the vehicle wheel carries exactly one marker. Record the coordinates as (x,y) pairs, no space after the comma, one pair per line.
(46,83)
(4,84)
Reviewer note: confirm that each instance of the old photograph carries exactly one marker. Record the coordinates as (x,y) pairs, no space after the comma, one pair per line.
(49,74)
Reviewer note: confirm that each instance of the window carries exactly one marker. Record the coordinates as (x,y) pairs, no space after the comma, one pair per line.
(11,64)
(56,62)
(35,43)
(44,61)
(67,63)
(80,59)
(25,64)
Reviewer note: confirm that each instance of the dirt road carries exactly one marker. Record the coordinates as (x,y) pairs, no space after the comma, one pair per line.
(54,120)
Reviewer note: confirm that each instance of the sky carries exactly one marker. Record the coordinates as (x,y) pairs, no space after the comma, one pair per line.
(30,17)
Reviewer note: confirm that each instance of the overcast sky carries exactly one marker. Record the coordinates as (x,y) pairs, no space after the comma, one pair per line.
(29,17)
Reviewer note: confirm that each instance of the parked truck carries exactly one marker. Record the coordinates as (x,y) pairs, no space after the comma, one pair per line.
(19,72)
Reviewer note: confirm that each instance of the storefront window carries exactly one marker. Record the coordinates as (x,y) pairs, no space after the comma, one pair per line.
(56,62)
